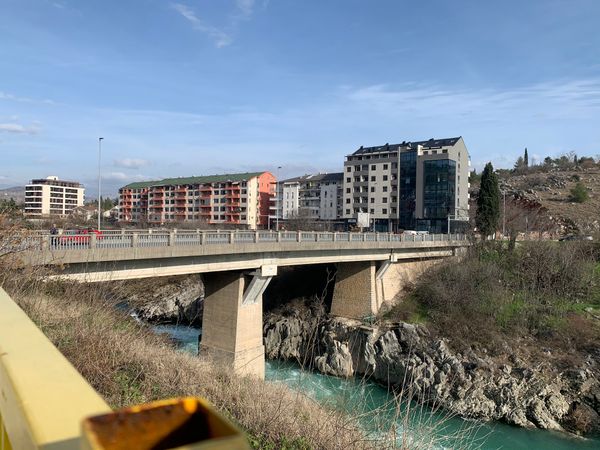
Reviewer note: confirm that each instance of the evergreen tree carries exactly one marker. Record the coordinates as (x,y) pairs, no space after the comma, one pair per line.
(526,158)
(488,202)
(519,164)
(579,193)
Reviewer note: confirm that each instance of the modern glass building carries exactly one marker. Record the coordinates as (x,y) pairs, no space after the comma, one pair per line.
(413,185)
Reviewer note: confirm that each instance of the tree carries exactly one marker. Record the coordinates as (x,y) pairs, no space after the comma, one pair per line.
(488,202)
(579,193)
(526,158)
(519,164)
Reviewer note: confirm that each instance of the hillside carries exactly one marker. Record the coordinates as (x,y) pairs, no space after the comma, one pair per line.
(545,196)
(17,193)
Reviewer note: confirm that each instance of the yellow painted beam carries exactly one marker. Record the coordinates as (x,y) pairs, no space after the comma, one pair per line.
(43,399)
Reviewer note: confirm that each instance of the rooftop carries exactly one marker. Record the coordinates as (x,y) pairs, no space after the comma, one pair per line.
(445,142)
(228,177)
(337,176)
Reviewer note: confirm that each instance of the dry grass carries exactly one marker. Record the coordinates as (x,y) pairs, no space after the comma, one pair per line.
(128,364)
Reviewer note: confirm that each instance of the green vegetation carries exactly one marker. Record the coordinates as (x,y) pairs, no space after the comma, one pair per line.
(579,193)
(540,289)
(488,202)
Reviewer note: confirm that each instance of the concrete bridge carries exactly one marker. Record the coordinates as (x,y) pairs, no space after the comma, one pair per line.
(237,266)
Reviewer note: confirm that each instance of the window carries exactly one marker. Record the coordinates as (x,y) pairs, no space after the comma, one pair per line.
(348,180)
(373,167)
(365,167)
(356,168)
(347,200)
(347,211)
(372,211)
(372,188)
(356,179)
(347,190)
(385,188)
(385,178)
(385,167)
(384,211)
(384,199)
(373,178)
(372,199)
(348,169)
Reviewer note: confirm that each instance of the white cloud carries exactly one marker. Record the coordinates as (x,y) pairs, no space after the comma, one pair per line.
(220,38)
(131,163)
(16,98)
(245,7)
(17,128)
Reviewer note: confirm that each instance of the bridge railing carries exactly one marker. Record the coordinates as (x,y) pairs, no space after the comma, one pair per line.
(144,239)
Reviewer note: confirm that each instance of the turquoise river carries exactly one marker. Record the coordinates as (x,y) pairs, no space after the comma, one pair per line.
(376,409)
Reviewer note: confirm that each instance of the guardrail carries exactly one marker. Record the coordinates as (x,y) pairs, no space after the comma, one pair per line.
(43,397)
(46,404)
(197,238)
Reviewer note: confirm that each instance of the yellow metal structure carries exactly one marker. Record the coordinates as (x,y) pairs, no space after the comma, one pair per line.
(44,401)
(42,397)
(185,423)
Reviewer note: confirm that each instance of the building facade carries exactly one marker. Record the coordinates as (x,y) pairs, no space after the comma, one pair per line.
(233,199)
(314,197)
(53,197)
(412,185)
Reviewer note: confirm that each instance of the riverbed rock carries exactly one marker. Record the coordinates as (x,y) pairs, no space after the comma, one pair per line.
(407,358)
(172,300)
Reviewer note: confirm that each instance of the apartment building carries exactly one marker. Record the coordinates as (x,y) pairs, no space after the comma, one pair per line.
(316,197)
(411,185)
(235,199)
(51,196)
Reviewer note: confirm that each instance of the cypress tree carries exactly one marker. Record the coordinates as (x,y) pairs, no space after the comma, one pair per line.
(526,158)
(488,202)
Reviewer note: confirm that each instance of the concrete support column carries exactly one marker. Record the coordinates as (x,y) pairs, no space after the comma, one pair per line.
(354,294)
(232,320)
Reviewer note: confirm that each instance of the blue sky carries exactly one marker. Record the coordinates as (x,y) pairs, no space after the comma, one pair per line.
(195,87)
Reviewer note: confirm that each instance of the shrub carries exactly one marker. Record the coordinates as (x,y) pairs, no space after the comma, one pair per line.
(579,193)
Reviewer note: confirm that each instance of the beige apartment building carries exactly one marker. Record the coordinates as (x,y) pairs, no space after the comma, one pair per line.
(411,185)
(52,197)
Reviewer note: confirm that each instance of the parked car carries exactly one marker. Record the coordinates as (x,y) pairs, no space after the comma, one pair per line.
(79,236)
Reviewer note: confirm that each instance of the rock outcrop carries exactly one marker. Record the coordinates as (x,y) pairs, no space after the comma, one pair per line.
(176,300)
(407,357)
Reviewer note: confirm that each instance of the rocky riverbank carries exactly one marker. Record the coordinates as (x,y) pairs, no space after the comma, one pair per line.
(470,384)
(165,300)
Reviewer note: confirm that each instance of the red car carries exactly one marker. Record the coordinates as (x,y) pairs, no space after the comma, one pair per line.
(79,236)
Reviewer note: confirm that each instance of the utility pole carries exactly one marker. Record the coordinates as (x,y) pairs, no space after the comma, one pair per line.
(99,182)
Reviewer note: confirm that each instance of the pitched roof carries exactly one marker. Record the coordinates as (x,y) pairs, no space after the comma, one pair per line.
(139,185)
(445,142)
(338,176)
(228,177)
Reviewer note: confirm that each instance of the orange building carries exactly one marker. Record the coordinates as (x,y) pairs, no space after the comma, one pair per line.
(240,199)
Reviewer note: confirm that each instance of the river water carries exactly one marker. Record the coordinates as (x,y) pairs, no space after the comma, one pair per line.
(377,411)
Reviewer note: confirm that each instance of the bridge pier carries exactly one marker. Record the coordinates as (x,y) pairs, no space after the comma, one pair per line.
(232,319)
(361,288)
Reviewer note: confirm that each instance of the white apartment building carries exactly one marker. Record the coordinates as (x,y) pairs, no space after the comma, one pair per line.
(53,197)
(316,197)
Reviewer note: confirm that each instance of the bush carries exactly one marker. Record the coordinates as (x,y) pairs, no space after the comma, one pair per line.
(579,193)
(533,289)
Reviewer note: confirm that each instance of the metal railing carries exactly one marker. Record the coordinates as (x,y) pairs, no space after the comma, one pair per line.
(145,238)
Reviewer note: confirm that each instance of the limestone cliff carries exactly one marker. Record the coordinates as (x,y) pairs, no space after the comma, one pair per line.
(407,357)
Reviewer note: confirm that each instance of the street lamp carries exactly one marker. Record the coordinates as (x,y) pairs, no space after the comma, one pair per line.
(277,199)
(99,182)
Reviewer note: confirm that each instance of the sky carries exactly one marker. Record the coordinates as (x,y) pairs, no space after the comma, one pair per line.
(199,87)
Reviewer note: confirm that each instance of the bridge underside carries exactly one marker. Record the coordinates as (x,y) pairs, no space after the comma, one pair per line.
(158,267)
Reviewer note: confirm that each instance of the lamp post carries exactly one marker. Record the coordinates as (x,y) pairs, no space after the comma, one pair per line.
(504,213)
(277,199)
(99,182)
